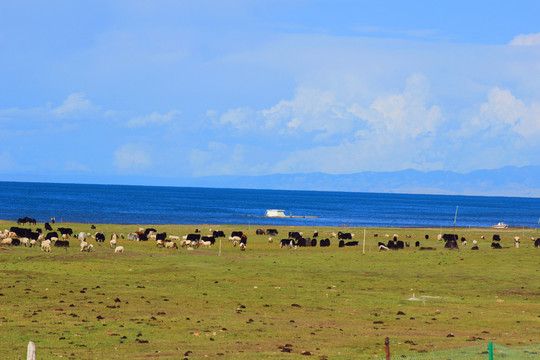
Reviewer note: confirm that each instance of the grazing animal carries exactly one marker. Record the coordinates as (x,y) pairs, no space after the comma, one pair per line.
(119,250)
(84,246)
(517,240)
(48,227)
(218,233)
(496,237)
(193,237)
(537,243)
(171,245)
(270,240)
(82,236)
(112,243)
(324,243)
(209,238)
(100,237)
(383,247)
(345,236)
(272,232)
(46,246)
(450,241)
(286,243)
(260,232)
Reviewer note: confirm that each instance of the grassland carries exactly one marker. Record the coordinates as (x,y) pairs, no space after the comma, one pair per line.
(331,303)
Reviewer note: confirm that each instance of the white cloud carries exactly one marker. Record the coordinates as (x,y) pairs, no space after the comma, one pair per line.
(131,157)
(76,166)
(404,115)
(75,104)
(153,119)
(526,40)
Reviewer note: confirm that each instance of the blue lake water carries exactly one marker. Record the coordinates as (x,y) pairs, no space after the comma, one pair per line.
(180,205)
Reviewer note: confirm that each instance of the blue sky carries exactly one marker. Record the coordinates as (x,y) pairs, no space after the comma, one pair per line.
(181,89)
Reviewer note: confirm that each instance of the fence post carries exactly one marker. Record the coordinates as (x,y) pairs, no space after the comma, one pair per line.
(387,344)
(31,353)
(490,350)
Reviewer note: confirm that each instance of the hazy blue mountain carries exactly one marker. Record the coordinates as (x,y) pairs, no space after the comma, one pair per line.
(507,181)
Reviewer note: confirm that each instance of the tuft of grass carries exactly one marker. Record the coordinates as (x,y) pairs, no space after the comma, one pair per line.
(334,302)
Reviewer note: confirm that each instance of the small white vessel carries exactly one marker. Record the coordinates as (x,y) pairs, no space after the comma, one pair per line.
(275,213)
(500,225)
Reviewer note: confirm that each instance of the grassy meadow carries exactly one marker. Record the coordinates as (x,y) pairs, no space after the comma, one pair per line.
(267,302)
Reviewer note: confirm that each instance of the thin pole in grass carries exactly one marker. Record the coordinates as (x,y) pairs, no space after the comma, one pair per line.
(364,243)
(219,247)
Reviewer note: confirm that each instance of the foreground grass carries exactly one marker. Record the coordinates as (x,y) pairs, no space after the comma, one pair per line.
(334,303)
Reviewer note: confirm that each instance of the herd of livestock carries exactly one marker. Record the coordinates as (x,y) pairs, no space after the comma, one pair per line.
(61,237)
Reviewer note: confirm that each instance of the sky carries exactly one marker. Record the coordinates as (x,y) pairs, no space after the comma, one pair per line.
(184,89)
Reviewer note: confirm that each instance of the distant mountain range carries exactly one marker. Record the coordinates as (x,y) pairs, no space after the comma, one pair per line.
(507,181)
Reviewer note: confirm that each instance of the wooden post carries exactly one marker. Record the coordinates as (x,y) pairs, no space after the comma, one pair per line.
(364,243)
(31,353)
(387,344)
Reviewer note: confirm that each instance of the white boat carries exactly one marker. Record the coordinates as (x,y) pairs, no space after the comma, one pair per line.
(500,225)
(275,213)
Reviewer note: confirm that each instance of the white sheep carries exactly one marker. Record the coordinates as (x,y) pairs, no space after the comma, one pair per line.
(270,240)
(234,238)
(119,249)
(113,243)
(46,246)
(185,242)
(82,236)
(6,241)
(171,245)
(174,238)
(84,246)
(90,248)
(160,243)
(25,241)
(517,240)
(32,243)
(205,243)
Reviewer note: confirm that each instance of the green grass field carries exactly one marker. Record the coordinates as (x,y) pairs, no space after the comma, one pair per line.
(267,302)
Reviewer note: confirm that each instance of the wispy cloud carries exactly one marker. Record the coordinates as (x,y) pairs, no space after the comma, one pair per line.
(526,40)
(76,104)
(153,119)
(131,158)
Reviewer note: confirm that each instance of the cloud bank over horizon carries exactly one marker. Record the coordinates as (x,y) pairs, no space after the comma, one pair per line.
(266,95)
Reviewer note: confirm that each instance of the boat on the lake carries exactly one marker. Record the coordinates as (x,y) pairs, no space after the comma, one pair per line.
(500,225)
